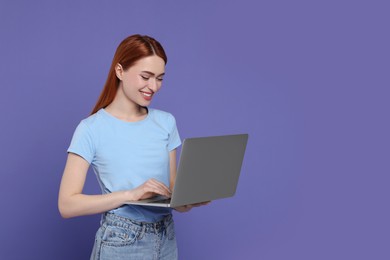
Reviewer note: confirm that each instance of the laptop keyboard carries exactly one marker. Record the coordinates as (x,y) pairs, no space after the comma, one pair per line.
(160,199)
(163,201)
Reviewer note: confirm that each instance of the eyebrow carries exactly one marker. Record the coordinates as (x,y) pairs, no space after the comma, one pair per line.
(152,74)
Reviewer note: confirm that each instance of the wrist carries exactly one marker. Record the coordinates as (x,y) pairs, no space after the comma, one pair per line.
(125,196)
(128,195)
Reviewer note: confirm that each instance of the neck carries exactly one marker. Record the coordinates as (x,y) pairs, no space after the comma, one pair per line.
(121,108)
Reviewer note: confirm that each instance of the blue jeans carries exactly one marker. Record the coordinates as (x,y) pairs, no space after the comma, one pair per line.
(123,238)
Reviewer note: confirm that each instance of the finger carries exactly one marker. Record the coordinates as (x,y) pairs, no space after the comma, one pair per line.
(201,204)
(157,187)
(161,185)
(197,205)
(162,189)
(183,209)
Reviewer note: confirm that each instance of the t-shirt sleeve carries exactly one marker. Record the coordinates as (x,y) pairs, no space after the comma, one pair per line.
(82,143)
(174,137)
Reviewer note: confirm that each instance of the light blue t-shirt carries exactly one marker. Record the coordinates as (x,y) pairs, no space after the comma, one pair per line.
(126,154)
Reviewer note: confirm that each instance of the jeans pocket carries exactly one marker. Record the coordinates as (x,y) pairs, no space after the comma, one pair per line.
(96,245)
(116,236)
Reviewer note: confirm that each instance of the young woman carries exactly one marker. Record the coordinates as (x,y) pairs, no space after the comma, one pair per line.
(132,149)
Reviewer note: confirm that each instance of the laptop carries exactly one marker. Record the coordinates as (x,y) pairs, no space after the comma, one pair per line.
(209,169)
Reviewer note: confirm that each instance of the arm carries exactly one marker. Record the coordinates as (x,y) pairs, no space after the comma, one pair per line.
(72,202)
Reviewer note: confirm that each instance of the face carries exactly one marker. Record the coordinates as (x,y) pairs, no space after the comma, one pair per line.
(139,83)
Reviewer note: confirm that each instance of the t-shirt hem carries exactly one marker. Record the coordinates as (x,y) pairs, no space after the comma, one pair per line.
(173,147)
(89,160)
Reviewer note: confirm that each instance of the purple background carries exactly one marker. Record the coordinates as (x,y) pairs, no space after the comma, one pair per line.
(308,80)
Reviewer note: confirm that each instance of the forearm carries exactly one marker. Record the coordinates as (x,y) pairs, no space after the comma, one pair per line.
(72,202)
(82,204)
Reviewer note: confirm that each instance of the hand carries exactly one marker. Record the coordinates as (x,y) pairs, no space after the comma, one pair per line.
(187,208)
(150,188)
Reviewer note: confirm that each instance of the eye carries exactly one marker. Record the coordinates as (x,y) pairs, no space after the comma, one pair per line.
(144,77)
(160,79)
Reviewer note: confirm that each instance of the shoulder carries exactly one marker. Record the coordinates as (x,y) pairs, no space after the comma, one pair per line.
(161,115)
(91,123)
(163,118)
(93,120)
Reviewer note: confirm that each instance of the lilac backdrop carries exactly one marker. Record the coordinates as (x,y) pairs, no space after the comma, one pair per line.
(308,80)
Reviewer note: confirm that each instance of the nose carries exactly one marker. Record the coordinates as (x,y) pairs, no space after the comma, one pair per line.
(154,85)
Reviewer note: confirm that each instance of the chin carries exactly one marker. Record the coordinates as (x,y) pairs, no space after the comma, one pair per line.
(144,104)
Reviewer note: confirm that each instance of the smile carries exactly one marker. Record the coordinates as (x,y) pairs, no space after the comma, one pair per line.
(146,94)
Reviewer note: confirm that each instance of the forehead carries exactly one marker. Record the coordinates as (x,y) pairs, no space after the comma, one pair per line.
(153,64)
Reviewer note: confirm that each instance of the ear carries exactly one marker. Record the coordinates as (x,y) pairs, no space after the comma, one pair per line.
(119,71)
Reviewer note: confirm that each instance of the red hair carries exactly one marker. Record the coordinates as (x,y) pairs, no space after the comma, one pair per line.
(129,51)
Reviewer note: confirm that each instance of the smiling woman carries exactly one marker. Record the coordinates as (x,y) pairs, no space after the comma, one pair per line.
(138,83)
(129,51)
(132,149)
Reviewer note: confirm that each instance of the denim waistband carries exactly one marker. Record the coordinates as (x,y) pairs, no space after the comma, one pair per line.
(126,223)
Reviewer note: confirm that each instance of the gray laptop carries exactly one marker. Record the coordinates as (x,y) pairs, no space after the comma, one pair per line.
(209,169)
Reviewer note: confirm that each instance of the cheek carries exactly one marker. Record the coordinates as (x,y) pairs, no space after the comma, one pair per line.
(140,82)
(133,84)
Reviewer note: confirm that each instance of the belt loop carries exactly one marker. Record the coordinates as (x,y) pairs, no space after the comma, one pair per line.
(155,228)
(167,220)
(142,233)
(103,218)
(166,223)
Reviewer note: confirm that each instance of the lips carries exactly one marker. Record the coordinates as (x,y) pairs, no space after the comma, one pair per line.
(147,95)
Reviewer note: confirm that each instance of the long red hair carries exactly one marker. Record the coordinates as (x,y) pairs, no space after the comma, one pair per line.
(129,51)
